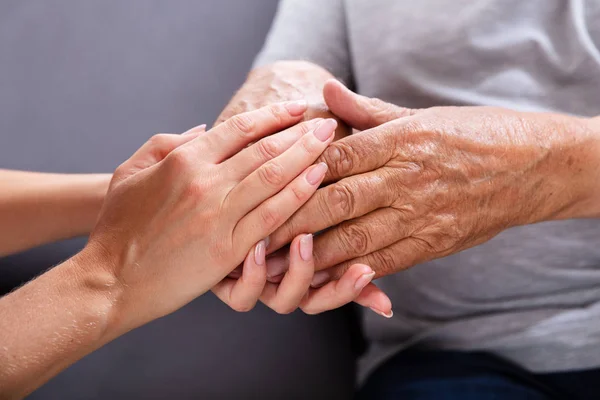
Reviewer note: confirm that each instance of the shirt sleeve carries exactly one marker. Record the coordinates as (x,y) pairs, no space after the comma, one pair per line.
(309,30)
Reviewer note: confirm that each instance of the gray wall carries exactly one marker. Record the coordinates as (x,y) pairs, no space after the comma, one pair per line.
(82,85)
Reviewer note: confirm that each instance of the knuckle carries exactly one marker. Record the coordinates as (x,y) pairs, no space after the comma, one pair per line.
(278,113)
(340,158)
(342,200)
(268,148)
(159,140)
(272,174)
(306,127)
(179,160)
(270,218)
(355,238)
(242,123)
(384,262)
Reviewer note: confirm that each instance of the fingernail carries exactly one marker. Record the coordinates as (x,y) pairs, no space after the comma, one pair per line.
(202,127)
(325,129)
(259,253)
(388,315)
(276,266)
(319,279)
(306,247)
(296,108)
(267,242)
(316,173)
(363,280)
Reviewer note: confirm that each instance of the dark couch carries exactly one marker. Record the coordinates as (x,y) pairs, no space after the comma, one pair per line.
(82,85)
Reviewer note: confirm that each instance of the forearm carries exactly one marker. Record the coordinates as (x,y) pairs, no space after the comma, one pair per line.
(37,208)
(579,162)
(51,322)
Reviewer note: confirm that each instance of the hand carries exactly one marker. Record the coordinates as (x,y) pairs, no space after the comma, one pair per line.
(183,211)
(422,184)
(294,291)
(283,81)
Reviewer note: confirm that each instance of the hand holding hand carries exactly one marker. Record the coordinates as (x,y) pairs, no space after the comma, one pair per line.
(421,184)
(184,211)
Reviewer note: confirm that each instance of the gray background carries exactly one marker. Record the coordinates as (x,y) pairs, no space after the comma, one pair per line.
(82,85)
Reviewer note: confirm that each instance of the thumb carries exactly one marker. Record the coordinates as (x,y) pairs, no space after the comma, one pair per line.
(358,111)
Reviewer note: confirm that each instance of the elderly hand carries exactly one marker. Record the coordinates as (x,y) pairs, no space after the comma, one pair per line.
(283,81)
(421,184)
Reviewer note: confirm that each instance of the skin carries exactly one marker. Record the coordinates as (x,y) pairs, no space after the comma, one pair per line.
(416,185)
(41,208)
(156,247)
(284,81)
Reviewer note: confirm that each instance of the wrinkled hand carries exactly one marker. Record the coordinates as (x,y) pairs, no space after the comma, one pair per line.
(421,184)
(283,81)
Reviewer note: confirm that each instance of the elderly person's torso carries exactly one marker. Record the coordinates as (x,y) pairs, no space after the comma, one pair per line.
(532,294)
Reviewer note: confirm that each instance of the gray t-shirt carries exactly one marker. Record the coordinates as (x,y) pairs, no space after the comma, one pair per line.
(532,294)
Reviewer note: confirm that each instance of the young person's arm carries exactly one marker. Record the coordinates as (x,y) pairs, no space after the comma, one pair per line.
(37,208)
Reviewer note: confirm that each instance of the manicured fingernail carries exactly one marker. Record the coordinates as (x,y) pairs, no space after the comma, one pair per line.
(276,266)
(325,129)
(306,247)
(319,279)
(316,173)
(388,315)
(202,127)
(364,280)
(296,108)
(267,242)
(259,253)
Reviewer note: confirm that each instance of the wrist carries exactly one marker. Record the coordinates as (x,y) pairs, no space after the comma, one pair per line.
(577,167)
(94,278)
(89,191)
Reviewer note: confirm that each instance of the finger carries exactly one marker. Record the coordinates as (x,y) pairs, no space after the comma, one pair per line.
(197,129)
(152,152)
(358,111)
(401,255)
(243,293)
(267,217)
(338,293)
(287,296)
(236,273)
(344,200)
(375,299)
(233,135)
(362,152)
(359,237)
(272,176)
(252,157)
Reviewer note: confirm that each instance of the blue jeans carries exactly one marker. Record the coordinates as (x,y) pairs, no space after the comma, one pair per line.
(453,375)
